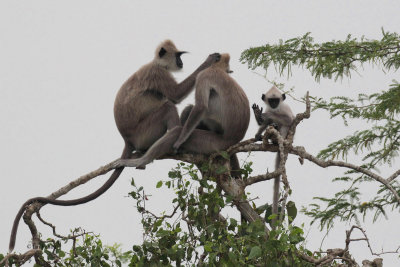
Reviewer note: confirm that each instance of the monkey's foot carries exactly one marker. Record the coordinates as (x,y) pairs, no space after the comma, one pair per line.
(128,163)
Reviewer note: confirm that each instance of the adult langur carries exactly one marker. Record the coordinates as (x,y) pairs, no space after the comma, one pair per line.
(221,107)
(144,110)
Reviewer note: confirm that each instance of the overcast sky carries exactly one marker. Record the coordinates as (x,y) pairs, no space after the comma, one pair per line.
(62,63)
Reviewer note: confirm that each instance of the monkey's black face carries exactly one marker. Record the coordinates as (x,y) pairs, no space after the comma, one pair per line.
(179,62)
(273,102)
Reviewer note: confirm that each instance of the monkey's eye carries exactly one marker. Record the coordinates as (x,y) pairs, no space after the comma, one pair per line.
(263,97)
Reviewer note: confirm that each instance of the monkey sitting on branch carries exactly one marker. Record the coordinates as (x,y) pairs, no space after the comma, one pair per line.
(277,114)
(144,110)
(218,120)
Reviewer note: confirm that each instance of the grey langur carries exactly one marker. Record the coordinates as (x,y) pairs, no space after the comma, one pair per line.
(218,120)
(144,110)
(278,114)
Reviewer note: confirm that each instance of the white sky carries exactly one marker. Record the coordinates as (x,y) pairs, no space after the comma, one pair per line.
(62,63)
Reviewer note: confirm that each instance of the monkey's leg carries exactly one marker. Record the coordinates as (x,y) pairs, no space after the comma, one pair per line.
(206,142)
(185,114)
(162,147)
(200,141)
(154,126)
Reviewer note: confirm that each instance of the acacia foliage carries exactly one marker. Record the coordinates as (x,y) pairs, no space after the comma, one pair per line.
(377,145)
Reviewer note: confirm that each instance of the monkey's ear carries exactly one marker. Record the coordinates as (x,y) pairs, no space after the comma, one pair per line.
(283,97)
(162,52)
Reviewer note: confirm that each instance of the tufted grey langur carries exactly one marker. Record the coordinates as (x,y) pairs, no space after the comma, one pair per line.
(144,110)
(218,120)
(278,114)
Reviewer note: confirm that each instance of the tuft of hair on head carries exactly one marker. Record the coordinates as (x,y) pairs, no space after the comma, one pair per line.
(273,92)
(166,46)
(223,63)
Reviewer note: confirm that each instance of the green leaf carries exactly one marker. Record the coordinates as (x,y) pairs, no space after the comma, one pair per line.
(291,211)
(224,154)
(208,248)
(221,170)
(159,184)
(232,256)
(255,252)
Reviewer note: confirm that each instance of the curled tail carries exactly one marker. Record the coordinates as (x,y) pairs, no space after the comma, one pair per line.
(73,202)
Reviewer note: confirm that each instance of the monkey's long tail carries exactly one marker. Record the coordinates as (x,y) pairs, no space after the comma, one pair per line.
(44,200)
(276,187)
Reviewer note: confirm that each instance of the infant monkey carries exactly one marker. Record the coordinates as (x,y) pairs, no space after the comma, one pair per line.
(278,114)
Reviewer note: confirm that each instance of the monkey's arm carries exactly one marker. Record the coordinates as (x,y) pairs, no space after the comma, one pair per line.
(181,90)
(260,131)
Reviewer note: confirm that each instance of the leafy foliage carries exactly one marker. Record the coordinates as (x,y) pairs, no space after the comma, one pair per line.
(86,250)
(377,145)
(330,59)
(196,232)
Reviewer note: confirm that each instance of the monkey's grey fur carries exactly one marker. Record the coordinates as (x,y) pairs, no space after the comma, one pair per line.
(221,106)
(144,110)
(277,113)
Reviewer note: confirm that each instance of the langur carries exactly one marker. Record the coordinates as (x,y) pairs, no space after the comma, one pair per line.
(279,115)
(218,120)
(144,110)
(212,125)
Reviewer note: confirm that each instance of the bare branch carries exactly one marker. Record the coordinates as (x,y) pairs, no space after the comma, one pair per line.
(299,118)
(393,176)
(262,177)
(300,151)
(366,239)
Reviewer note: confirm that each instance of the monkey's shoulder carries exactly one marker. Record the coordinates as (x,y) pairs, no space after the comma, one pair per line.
(218,80)
(152,71)
(212,73)
(150,77)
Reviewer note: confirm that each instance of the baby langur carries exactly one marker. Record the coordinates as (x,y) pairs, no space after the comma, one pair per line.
(278,114)
(144,110)
(218,120)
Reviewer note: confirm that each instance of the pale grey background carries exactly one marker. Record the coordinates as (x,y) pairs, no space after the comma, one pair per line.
(62,62)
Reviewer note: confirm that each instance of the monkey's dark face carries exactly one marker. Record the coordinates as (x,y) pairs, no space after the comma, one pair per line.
(179,62)
(273,102)
(171,60)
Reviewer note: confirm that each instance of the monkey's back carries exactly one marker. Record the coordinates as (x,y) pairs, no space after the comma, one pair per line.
(228,103)
(139,96)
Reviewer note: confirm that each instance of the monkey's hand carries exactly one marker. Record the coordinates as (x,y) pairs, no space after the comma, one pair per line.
(212,59)
(258,137)
(258,114)
(275,125)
